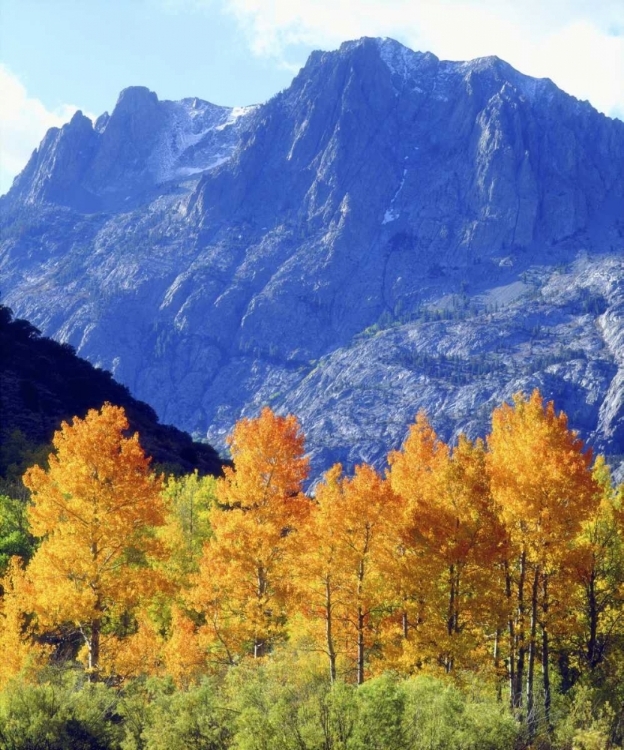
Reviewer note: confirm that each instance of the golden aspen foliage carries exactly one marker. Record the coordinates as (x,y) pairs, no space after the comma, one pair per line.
(542,484)
(19,652)
(157,645)
(450,542)
(414,475)
(269,465)
(184,652)
(502,559)
(592,595)
(541,475)
(244,576)
(320,577)
(368,530)
(96,509)
(343,594)
(136,654)
(465,534)
(414,468)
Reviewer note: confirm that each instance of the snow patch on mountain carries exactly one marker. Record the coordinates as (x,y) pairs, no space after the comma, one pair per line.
(391,213)
(402,61)
(200,138)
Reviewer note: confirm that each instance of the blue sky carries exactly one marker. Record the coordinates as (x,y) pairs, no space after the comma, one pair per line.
(59,55)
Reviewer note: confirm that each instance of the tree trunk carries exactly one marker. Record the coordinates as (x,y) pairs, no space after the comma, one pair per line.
(457,599)
(259,648)
(331,652)
(520,637)
(512,639)
(530,697)
(592,615)
(451,608)
(546,655)
(450,620)
(499,687)
(360,620)
(94,650)
(360,646)
(96,625)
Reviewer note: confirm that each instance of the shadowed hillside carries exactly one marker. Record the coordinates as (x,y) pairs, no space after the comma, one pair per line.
(43,383)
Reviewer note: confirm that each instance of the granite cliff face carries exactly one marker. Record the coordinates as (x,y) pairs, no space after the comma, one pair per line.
(392,232)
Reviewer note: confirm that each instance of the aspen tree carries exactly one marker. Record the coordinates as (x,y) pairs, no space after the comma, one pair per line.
(95,509)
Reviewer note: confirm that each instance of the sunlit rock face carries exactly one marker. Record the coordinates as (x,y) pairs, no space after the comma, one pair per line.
(390,233)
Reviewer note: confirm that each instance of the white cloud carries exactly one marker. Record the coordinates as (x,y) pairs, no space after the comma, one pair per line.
(579,44)
(23,123)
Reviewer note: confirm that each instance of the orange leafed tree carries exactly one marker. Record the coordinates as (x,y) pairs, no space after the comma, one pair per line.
(542,483)
(465,535)
(244,572)
(95,509)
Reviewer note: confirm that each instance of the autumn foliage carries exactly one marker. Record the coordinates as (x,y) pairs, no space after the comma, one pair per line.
(241,590)
(500,558)
(95,510)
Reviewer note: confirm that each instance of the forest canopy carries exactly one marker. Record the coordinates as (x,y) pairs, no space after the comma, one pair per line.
(479,585)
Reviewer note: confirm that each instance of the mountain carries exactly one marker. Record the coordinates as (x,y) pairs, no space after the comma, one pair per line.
(120,161)
(392,232)
(43,383)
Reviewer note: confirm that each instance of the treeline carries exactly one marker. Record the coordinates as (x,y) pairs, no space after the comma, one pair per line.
(485,579)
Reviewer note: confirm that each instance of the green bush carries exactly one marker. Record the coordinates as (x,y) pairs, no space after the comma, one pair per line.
(193,720)
(59,715)
(381,706)
(438,716)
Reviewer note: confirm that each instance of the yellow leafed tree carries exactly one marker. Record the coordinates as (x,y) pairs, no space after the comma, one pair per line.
(414,475)
(17,647)
(96,509)
(450,540)
(339,571)
(592,585)
(542,483)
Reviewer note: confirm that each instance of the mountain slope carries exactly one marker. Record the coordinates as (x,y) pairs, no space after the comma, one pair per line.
(43,383)
(389,233)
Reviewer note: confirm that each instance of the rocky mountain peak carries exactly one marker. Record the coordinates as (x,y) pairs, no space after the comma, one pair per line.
(79,120)
(135,98)
(121,161)
(136,115)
